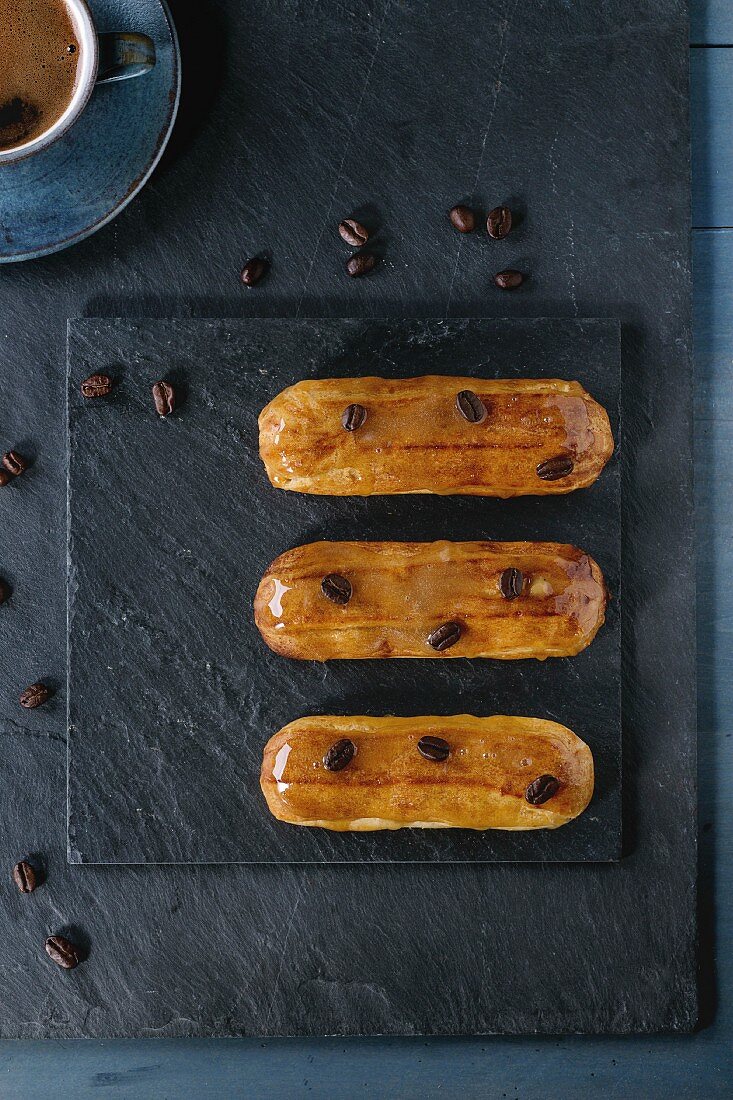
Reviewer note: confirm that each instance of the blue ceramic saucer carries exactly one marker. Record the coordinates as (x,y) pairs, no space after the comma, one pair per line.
(66,192)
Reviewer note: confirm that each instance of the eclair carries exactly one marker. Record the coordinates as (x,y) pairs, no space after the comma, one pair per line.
(360,774)
(434,434)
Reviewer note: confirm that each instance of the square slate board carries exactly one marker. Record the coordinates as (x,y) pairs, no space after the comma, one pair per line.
(172,692)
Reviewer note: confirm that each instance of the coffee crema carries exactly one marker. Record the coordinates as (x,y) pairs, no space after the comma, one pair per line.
(40,53)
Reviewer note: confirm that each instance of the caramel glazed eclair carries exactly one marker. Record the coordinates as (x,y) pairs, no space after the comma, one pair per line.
(505,600)
(360,774)
(435,434)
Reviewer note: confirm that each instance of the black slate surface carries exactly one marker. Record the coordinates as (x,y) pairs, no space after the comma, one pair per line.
(579,112)
(172,693)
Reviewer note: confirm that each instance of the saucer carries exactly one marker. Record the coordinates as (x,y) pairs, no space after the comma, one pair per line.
(66,192)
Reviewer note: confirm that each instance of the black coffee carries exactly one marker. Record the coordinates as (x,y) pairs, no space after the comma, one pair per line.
(40,59)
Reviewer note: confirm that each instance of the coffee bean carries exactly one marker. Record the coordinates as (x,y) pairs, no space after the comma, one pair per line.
(4,478)
(542,789)
(554,468)
(14,463)
(443,637)
(164,397)
(34,696)
(4,592)
(434,748)
(361,264)
(499,222)
(63,952)
(24,876)
(253,271)
(339,755)
(353,418)
(353,232)
(510,583)
(509,280)
(336,588)
(97,385)
(462,219)
(471,407)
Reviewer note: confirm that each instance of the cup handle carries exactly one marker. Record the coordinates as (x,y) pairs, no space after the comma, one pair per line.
(124,55)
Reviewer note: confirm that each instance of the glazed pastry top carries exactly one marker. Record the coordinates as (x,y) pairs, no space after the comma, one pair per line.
(409,435)
(496,773)
(442,599)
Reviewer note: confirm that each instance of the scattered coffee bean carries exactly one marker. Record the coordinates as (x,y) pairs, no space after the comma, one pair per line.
(353,418)
(339,755)
(34,696)
(97,385)
(336,588)
(434,748)
(14,463)
(353,232)
(542,789)
(361,264)
(63,952)
(462,219)
(253,271)
(554,468)
(499,222)
(443,637)
(4,591)
(4,478)
(24,876)
(164,397)
(471,407)
(508,280)
(510,583)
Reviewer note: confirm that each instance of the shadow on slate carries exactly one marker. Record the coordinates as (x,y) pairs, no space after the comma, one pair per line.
(172,693)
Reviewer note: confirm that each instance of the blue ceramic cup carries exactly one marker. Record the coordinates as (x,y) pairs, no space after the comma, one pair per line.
(103,58)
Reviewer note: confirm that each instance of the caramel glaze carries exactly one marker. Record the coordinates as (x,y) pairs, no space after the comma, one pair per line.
(414,439)
(389,785)
(402,591)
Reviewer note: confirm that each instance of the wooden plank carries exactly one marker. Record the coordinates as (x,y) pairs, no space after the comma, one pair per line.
(711,112)
(713,333)
(711,22)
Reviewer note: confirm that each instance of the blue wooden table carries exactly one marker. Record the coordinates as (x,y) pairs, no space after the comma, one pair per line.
(699,1066)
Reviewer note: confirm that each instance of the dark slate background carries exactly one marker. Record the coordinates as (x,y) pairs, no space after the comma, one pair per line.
(292,116)
(172,691)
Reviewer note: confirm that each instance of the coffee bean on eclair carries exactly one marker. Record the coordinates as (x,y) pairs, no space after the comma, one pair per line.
(14,463)
(353,232)
(462,219)
(164,398)
(353,418)
(510,583)
(443,637)
(5,478)
(542,789)
(336,588)
(509,279)
(339,755)
(361,264)
(63,952)
(97,385)
(434,748)
(499,222)
(552,469)
(471,407)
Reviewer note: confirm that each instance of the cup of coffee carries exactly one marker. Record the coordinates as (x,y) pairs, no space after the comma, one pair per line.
(52,57)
